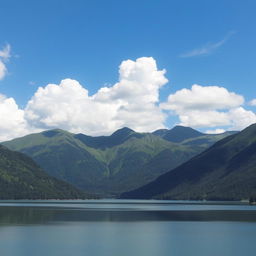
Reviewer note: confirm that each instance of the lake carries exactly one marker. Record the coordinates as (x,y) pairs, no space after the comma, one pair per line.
(126,228)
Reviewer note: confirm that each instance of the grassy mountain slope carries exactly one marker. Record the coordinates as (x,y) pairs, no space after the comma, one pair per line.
(62,156)
(225,171)
(140,160)
(107,164)
(21,178)
(102,142)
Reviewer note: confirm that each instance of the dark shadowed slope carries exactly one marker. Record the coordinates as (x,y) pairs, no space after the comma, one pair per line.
(226,171)
(188,136)
(21,178)
(178,133)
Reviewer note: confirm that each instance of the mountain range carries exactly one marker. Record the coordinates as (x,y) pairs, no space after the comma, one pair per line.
(22,178)
(110,165)
(225,171)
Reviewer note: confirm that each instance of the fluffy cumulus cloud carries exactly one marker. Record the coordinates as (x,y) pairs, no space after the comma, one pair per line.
(252,102)
(132,102)
(12,123)
(241,118)
(4,56)
(202,98)
(209,106)
(69,107)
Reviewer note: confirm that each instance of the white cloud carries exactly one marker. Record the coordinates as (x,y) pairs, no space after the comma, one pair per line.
(208,48)
(131,102)
(197,118)
(4,56)
(3,70)
(12,122)
(241,118)
(216,131)
(69,107)
(209,106)
(202,98)
(252,102)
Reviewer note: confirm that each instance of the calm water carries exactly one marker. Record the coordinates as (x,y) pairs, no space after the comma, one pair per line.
(126,228)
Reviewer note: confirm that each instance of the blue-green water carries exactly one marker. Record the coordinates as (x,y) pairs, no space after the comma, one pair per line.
(126,228)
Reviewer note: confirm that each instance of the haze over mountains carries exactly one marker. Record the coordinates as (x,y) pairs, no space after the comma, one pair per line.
(110,165)
(225,171)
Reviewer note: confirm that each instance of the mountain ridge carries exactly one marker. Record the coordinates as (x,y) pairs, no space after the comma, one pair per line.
(106,164)
(225,171)
(178,133)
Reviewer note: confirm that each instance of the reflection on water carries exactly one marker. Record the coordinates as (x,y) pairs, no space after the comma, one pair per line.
(127,228)
(47,215)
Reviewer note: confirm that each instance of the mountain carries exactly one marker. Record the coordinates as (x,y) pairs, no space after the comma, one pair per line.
(178,133)
(188,136)
(102,142)
(107,165)
(22,178)
(225,171)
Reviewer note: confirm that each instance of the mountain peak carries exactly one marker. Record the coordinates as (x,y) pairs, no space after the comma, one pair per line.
(122,132)
(117,138)
(160,132)
(178,133)
(54,132)
(184,128)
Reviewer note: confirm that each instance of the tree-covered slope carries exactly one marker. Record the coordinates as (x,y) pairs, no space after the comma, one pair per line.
(107,165)
(225,171)
(21,178)
(62,156)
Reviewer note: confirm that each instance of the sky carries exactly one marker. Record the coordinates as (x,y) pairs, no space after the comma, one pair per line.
(94,66)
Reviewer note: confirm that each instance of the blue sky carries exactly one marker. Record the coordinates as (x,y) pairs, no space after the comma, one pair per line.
(209,43)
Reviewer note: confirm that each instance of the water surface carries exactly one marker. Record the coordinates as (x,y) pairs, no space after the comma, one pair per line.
(126,228)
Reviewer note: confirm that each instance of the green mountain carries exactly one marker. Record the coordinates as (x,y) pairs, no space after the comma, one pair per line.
(188,136)
(178,133)
(22,178)
(103,142)
(107,165)
(225,171)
